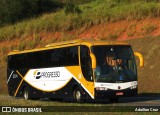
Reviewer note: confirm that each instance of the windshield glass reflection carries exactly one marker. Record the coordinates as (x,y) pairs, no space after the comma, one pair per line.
(114,64)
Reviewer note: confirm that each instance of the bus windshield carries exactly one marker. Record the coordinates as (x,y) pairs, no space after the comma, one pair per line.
(115,64)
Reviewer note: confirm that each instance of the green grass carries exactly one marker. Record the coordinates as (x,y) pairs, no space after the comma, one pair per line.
(70,108)
(149,28)
(93,13)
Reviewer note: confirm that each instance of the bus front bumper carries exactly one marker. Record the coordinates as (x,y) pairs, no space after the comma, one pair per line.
(99,94)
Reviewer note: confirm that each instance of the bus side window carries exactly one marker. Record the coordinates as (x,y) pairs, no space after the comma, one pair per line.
(20,64)
(86,66)
(11,62)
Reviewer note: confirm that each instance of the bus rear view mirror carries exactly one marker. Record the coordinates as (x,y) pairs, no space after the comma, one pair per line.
(93,58)
(141,59)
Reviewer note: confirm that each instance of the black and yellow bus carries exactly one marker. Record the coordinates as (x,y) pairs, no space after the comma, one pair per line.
(78,70)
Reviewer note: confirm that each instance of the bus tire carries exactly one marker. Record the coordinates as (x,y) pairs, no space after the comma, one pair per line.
(26,94)
(77,95)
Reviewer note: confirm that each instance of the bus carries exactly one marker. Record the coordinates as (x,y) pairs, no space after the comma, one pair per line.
(77,70)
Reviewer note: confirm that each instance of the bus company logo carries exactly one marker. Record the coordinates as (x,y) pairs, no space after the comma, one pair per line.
(37,74)
(53,74)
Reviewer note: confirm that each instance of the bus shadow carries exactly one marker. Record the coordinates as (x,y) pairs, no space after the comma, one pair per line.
(149,95)
(140,98)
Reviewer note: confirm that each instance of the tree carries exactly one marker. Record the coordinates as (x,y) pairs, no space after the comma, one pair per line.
(12,11)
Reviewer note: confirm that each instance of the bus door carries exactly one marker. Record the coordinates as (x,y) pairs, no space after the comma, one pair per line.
(86,67)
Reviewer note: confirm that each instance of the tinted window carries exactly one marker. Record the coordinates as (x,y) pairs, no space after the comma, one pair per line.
(86,63)
(11,62)
(48,58)
(62,57)
(115,64)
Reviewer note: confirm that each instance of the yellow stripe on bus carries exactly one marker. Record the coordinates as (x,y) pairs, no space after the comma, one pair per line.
(19,83)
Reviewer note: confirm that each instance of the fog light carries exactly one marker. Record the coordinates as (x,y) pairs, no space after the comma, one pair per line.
(133,87)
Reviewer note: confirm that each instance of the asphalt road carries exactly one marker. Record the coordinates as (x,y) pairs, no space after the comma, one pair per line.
(133,104)
(140,101)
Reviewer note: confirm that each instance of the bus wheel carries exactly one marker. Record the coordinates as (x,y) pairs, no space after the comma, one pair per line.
(77,95)
(114,100)
(26,94)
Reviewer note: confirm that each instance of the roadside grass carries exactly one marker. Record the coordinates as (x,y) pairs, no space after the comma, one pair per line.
(3,55)
(60,107)
(3,78)
(3,50)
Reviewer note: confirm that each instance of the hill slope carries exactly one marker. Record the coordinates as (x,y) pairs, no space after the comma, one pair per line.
(149,75)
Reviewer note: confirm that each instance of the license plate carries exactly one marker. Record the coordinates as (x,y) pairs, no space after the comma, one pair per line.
(119,93)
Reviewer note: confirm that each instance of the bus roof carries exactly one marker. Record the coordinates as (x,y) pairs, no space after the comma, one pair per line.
(87,42)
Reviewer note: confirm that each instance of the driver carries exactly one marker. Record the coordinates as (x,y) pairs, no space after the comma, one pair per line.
(108,65)
(114,63)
